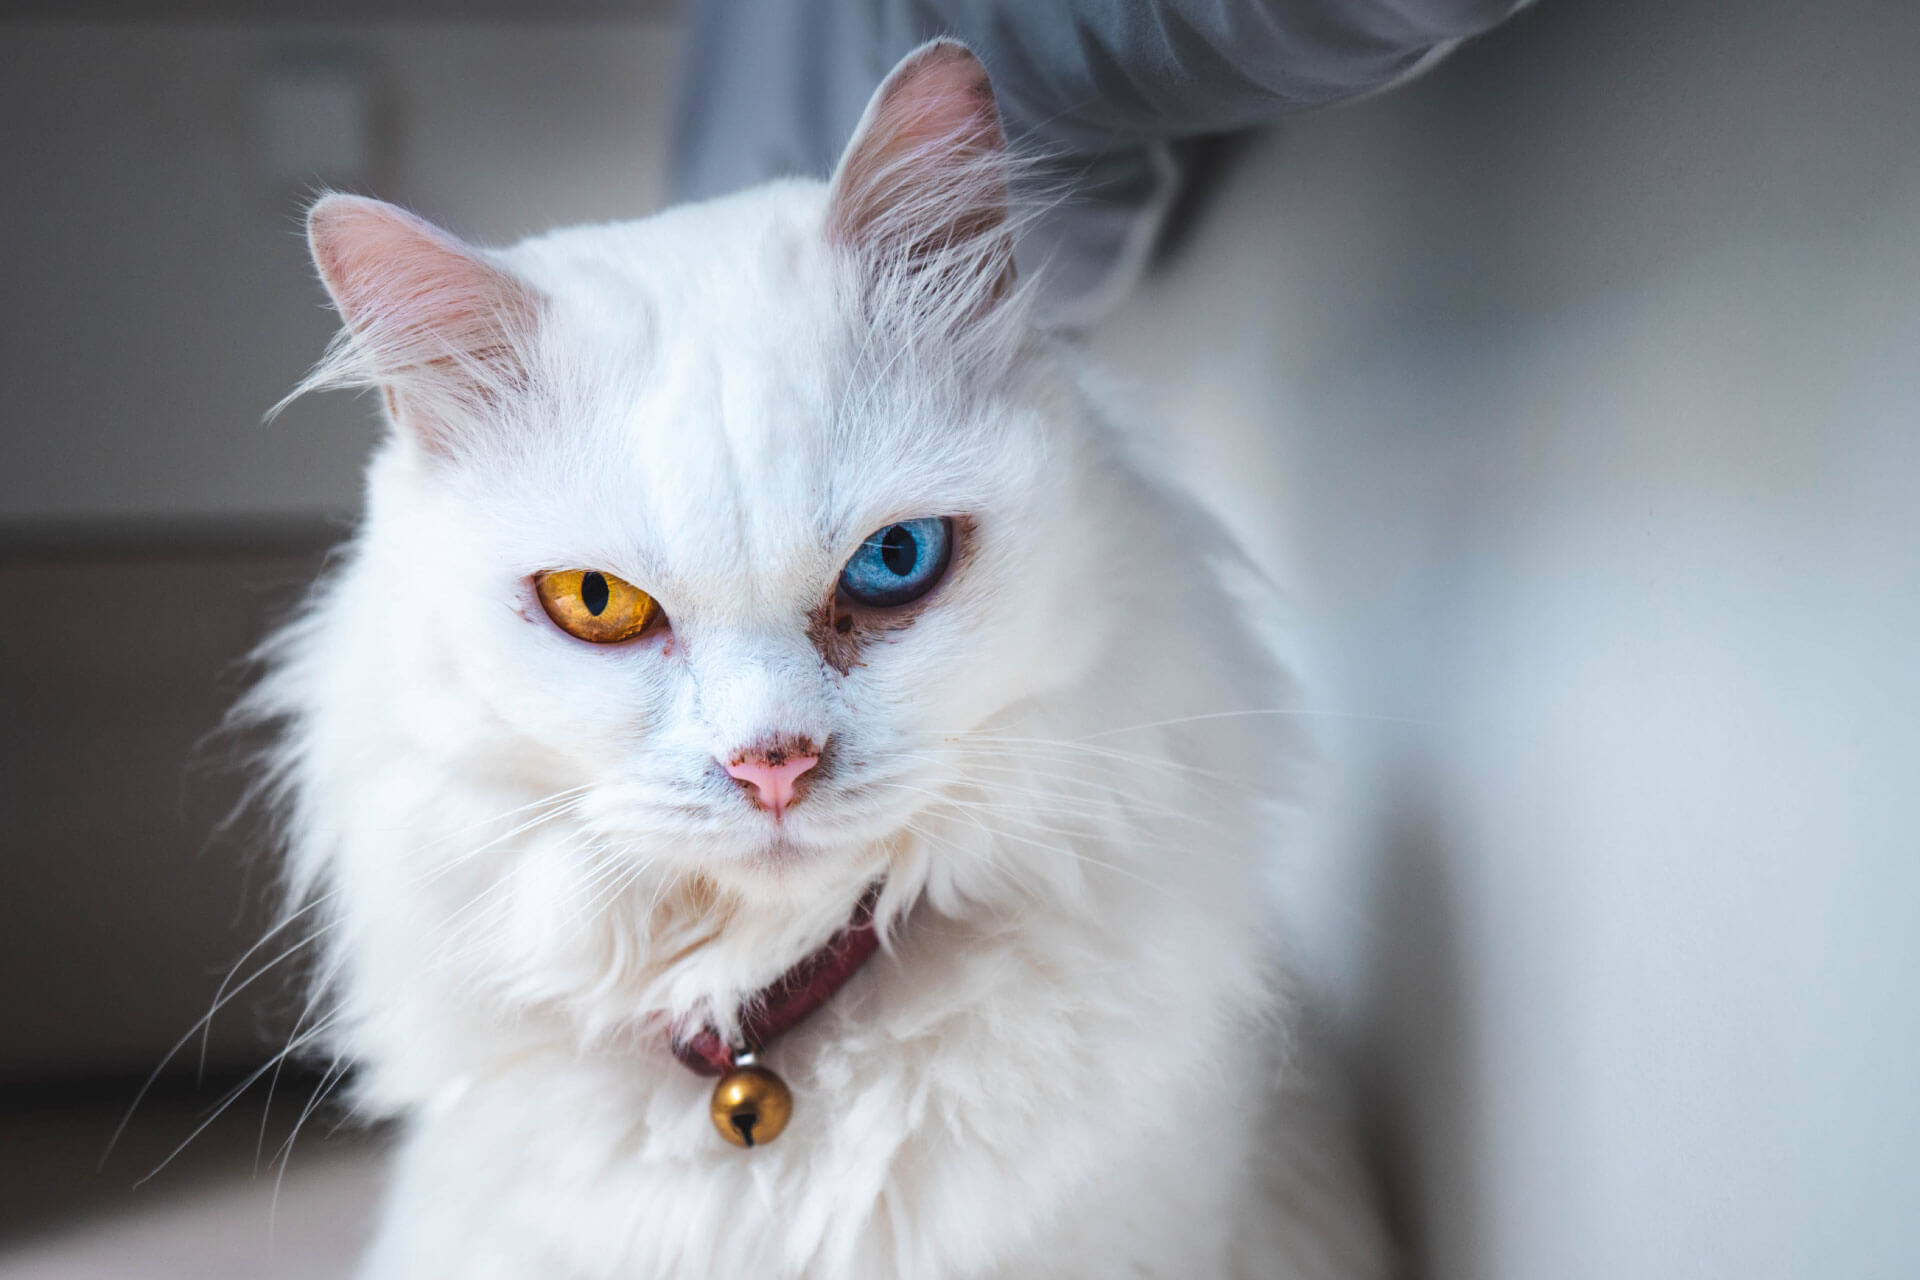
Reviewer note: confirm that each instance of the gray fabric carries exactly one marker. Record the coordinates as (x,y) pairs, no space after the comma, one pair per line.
(1099,87)
(1099,73)
(772,88)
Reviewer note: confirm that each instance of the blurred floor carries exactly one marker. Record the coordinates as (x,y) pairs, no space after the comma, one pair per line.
(210,1212)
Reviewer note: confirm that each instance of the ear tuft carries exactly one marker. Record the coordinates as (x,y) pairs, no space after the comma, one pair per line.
(430,319)
(921,193)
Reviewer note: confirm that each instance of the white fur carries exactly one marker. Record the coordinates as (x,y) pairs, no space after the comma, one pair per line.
(525,861)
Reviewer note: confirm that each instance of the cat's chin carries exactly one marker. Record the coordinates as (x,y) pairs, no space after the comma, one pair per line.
(804,839)
(798,858)
(783,852)
(780,849)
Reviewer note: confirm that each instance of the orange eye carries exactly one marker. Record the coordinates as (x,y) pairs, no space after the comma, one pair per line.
(593,605)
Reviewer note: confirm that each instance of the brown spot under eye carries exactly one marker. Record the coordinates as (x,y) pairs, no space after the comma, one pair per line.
(831,630)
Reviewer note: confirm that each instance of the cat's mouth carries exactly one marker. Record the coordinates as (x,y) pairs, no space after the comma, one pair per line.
(793,840)
(844,813)
(832,823)
(826,807)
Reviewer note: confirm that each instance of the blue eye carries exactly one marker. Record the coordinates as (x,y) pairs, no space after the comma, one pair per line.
(899,563)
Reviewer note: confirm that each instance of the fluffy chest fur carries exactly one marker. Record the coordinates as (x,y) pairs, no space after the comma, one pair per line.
(981,1098)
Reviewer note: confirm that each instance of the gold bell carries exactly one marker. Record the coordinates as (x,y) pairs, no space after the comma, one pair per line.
(751,1105)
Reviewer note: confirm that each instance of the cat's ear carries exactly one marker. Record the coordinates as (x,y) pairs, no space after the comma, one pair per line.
(440,328)
(921,193)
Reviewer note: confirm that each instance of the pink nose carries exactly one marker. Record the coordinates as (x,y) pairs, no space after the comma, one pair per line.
(771,775)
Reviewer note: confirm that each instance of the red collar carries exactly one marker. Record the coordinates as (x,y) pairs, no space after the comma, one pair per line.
(791,999)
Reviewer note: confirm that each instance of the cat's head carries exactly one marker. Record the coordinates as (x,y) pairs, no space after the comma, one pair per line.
(721,522)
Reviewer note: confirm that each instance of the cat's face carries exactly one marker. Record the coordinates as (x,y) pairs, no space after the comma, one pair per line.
(724,521)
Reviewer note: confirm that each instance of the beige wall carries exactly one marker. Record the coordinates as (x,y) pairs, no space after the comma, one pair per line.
(1575,393)
(158,294)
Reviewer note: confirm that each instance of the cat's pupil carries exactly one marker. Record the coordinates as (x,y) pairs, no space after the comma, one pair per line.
(897,562)
(898,550)
(594,593)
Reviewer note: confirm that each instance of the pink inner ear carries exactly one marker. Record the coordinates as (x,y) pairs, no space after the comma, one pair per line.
(440,327)
(408,288)
(924,166)
(941,96)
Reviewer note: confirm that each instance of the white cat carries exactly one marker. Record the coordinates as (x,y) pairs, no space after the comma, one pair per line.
(719,567)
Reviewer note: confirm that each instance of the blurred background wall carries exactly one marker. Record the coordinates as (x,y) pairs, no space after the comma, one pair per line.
(1573,393)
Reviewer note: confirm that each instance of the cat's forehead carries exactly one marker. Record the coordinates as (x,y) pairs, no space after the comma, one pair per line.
(745,264)
(734,411)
